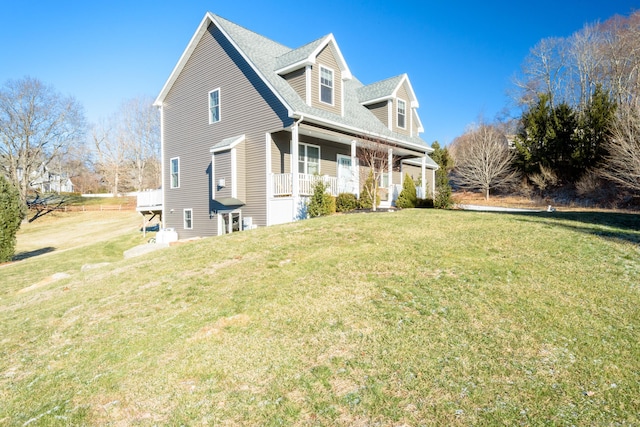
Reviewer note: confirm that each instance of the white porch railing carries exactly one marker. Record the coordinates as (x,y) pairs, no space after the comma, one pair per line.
(283,186)
(149,199)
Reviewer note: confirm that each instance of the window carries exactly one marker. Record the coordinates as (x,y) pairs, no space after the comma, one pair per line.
(214,106)
(175,172)
(384,180)
(188,219)
(326,85)
(308,159)
(402,113)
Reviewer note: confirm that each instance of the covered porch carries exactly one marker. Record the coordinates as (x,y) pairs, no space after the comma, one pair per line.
(301,157)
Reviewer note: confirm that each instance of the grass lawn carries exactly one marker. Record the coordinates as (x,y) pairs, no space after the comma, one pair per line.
(419,317)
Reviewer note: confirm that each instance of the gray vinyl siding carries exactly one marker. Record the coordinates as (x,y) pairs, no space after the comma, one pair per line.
(241,170)
(414,122)
(222,169)
(381,111)
(281,152)
(328,154)
(327,58)
(403,95)
(298,81)
(414,172)
(188,134)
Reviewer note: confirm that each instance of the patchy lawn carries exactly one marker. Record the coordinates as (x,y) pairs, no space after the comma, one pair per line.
(408,318)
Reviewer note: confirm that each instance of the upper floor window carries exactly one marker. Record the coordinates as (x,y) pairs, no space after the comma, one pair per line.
(308,159)
(214,106)
(326,85)
(402,113)
(175,172)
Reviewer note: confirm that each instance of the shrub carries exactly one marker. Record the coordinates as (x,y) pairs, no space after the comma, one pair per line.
(321,202)
(407,197)
(12,212)
(346,202)
(425,203)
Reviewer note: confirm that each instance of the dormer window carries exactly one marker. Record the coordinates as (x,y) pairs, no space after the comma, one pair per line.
(326,85)
(402,113)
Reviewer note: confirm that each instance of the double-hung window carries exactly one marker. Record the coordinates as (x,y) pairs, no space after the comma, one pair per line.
(175,172)
(308,159)
(188,219)
(402,113)
(326,85)
(214,106)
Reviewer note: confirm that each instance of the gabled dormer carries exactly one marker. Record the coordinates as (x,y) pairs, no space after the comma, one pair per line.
(317,71)
(394,103)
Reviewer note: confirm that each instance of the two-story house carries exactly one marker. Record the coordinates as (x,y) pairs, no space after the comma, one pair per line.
(249,125)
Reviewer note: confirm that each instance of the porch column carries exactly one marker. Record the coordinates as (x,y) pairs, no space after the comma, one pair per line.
(355,168)
(423,181)
(295,184)
(390,172)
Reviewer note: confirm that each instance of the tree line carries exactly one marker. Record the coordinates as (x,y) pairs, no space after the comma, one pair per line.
(580,121)
(41,128)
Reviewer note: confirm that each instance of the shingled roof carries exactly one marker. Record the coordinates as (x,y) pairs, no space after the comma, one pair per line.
(268,57)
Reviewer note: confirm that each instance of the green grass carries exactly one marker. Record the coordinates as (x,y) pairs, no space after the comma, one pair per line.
(419,317)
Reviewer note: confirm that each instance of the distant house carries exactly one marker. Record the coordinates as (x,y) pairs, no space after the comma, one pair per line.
(46,181)
(249,125)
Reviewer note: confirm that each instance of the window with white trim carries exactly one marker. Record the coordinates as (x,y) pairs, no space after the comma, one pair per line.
(308,159)
(175,172)
(326,85)
(188,219)
(214,106)
(402,113)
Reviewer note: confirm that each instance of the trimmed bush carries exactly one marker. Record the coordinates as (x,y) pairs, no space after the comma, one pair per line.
(321,202)
(346,202)
(407,197)
(12,212)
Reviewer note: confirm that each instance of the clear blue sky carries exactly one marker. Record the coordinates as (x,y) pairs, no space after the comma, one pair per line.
(460,55)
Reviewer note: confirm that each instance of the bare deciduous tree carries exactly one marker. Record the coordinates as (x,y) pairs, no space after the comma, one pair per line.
(140,126)
(128,147)
(543,70)
(110,154)
(36,124)
(623,162)
(373,158)
(483,159)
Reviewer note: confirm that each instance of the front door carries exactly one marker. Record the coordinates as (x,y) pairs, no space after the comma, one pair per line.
(347,180)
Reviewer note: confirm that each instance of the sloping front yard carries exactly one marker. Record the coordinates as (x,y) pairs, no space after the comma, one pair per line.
(418,317)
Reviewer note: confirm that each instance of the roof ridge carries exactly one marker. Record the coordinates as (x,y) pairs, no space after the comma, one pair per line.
(225,21)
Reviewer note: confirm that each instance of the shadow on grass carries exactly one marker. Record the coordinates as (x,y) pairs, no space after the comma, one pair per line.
(610,225)
(30,254)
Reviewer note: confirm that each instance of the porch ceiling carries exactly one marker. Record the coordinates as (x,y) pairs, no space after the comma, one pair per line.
(340,138)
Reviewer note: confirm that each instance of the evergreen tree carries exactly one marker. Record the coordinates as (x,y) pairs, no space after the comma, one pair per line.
(594,130)
(321,203)
(442,198)
(408,197)
(12,212)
